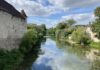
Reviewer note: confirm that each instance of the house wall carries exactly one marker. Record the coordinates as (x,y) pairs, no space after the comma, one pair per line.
(11,30)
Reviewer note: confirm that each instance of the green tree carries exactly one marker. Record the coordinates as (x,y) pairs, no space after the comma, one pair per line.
(31,26)
(61,25)
(97,12)
(51,31)
(96,24)
(80,36)
(66,24)
(70,22)
(43,29)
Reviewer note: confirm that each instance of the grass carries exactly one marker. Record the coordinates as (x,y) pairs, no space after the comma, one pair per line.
(95,45)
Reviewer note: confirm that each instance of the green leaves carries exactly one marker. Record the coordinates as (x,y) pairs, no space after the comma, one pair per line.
(97,12)
(70,22)
(96,24)
(80,36)
(66,24)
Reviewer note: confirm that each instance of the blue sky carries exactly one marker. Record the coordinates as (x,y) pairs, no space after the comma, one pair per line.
(51,12)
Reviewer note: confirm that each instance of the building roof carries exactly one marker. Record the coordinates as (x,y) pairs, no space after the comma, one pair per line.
(5,6)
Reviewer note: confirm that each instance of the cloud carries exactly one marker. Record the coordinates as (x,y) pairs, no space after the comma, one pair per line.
(56,59)
(38,8)
(73,3)
(32,8)
(41,20)
(81,18)
(80,10)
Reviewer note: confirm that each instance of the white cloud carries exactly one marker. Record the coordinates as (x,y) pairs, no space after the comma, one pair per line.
(81,18)
(58,60)
(32,8)
(36,8)
(73,3)
(49,22)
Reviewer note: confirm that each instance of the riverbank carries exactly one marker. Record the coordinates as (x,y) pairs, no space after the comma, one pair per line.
(9,60)
(82,35)
(58,53)
(31,41)
(78,36)
(92,44)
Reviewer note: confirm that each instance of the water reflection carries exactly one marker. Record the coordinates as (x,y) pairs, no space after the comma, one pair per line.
(31,56)
(95,65)
(29,59)
(55,58)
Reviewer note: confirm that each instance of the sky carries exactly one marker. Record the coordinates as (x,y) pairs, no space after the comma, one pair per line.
(51,12)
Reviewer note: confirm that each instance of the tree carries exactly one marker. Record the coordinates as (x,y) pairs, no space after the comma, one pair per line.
(97,12)
(61,25)
(96,24)
(70,22)
(31,26)
(66,24)
(51,31)
(80,36)
(43,29)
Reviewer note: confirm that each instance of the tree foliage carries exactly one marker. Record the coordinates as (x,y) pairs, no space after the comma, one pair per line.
(10,60)
(61,25)
(96,24)
(70,22)
(97,12)
(66,24)
(41,29)
(51,31)
(80,36)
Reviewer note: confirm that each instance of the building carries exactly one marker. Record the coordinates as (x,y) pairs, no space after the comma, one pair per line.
(12,25)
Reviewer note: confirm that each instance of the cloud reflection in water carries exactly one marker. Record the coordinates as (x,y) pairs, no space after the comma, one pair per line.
(56,59)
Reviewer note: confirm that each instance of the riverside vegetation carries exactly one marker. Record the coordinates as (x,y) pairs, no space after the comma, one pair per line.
(75,34)
(78,36)
(11,60)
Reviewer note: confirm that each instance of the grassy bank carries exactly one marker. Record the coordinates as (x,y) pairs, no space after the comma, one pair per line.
(95,45)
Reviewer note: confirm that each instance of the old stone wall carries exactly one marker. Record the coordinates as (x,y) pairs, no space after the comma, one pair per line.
(11,30)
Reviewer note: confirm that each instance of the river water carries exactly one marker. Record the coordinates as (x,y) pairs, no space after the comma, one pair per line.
(57,56)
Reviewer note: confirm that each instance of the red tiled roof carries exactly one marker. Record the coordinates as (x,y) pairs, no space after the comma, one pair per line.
(4,6)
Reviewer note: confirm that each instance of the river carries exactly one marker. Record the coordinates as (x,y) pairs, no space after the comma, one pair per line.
(55,56)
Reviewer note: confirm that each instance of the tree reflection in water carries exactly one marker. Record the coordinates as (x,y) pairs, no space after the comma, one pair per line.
(95,65)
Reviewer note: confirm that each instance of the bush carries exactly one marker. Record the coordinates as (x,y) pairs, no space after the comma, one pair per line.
(80,36)
(30,38)
(9,60)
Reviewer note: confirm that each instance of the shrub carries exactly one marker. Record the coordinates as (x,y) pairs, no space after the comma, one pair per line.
(30,38)
(9,60)
(80,36)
